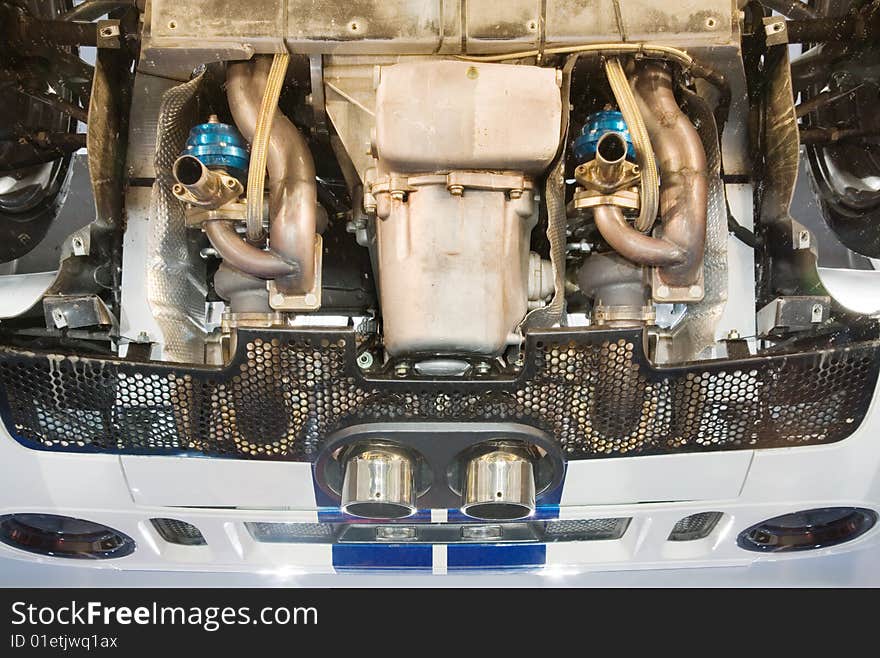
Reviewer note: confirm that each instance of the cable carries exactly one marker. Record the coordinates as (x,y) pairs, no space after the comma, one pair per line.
(260,146)
(609,49)
(635,123)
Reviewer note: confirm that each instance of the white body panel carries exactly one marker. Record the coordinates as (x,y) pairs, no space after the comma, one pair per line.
(778,481)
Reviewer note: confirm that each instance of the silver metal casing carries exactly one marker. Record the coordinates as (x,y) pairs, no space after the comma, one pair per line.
(379,483)
(500,484)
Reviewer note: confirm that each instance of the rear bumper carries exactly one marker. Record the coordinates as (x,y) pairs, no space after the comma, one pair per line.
(118,491)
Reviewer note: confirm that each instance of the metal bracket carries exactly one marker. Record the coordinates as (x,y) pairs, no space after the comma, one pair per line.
(801,238)
(628,199)
(775,30)
(665,293)
(795,313)
(310,301)
(316,98)
(76,311)
(109,34)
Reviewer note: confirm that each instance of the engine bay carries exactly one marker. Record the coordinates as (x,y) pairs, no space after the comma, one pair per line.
(455,244)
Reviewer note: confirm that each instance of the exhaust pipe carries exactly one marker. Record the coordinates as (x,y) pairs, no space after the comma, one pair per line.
(379,482)
(499,483)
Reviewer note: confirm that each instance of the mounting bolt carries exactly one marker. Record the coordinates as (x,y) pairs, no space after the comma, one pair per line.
(401,369)
(456,190)
(310,299)
(397,195)
(516,194)
(143,337)
(733,334)
(365,360)
(482,368)
(277,299)
(695,291)
(662,291)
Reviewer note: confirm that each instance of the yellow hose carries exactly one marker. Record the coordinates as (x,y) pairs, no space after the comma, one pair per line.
(260,147)
(635,123)
(609,49)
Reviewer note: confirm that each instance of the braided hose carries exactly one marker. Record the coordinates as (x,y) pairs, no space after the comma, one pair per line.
(260,147)
(626,101)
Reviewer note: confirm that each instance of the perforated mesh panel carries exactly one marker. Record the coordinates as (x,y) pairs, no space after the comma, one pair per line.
(284,393)
(178,532)
(281,533)
(695,526)
(585,529)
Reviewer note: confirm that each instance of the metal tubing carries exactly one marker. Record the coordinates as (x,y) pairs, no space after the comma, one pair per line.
(244,256)
(92,9)
(633,245)
(379,483)
(610,156)
(205,185)
(500,484)
(292,185)
(641,139)
(684,188)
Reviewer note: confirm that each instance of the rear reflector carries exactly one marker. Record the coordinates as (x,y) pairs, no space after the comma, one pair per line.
(808,529)
(63,536)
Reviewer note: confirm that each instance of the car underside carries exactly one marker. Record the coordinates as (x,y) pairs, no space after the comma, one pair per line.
(422,273)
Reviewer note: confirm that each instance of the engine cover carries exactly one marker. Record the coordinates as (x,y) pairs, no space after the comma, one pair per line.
(456,146)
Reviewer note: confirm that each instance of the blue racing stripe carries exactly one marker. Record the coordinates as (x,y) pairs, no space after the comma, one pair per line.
(382,556)
(495,556)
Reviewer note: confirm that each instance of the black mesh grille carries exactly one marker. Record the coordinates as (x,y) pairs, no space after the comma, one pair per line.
(282,533)
(585,529)
(178,532)
(695,526)
(284,392)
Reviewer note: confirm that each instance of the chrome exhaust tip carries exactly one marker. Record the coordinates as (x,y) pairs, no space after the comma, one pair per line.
(379,482)
(499,483)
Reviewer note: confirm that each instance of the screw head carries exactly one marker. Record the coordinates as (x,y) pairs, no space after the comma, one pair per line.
(456,190)
(401,369)
(277,299)
(663,291)
(365,360)
(482,368)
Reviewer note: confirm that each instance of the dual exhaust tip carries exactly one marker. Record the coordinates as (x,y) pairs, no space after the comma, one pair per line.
(498,482)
